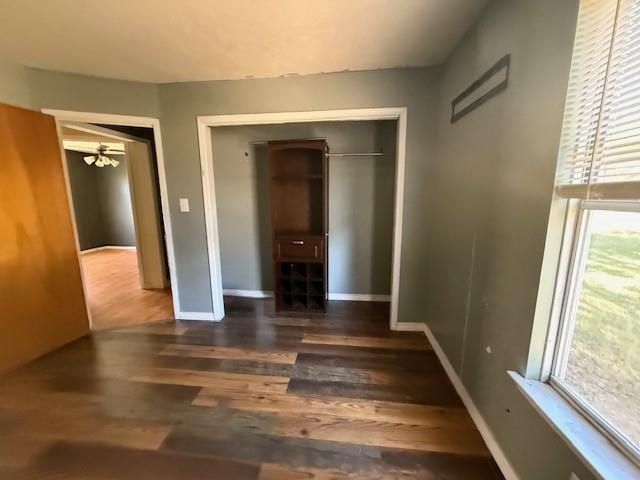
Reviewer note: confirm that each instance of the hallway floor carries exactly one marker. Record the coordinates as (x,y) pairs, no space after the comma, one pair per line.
(257,396)
(113,287)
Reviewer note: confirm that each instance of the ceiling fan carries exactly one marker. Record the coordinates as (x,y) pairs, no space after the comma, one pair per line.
(100,158)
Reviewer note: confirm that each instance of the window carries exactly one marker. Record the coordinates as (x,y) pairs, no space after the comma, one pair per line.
(596,359)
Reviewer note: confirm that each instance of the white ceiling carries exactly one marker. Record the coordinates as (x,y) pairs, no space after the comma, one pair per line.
(185,40)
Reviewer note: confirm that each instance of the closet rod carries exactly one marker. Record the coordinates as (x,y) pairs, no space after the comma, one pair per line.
(340,154)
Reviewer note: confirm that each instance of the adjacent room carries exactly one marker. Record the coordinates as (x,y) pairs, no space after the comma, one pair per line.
(115,199)
(320,239)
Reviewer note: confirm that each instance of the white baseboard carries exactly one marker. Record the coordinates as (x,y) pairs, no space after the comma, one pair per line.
(208,316)
(498,455)
(360,297)
(106,247)
(409,327)
(248,293)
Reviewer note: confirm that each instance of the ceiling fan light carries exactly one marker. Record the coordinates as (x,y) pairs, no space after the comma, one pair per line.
(114,163)
(100,162)
(89,159)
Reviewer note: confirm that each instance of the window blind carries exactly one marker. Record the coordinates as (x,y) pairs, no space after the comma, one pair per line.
(599,153)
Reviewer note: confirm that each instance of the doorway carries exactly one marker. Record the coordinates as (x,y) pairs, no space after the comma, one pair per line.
(114,188)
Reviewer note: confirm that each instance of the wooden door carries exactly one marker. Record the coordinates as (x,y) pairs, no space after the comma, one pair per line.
(41,295)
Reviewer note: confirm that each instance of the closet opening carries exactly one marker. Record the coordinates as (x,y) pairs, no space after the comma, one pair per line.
(302,230)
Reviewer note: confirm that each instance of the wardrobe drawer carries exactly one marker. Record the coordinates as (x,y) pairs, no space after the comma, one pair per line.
(298,248)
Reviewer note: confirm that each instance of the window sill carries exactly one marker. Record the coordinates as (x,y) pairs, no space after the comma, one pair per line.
(598,453)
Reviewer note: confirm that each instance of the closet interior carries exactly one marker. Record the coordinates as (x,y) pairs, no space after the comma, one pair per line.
(305,212)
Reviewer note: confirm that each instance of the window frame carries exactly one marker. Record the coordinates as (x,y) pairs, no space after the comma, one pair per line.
(571,266)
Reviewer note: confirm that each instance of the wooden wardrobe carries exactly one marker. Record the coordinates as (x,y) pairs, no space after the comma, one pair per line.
(299,178)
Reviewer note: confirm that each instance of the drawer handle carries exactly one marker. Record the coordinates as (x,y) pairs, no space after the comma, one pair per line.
(297,242)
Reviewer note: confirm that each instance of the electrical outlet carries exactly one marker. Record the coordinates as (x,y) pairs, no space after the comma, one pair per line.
(184,204)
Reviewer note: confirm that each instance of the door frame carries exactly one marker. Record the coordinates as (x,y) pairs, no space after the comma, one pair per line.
(64,116)
(207,122)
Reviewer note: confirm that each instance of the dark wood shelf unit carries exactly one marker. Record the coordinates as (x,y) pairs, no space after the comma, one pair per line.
(299,177)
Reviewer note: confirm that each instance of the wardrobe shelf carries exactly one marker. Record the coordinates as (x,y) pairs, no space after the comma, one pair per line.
(298,172)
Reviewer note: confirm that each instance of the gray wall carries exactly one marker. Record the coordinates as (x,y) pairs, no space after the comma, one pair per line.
(182,102)
(490,193)
(15,88)
(101,202)
(115,201)
(361,200)
(36,89)
(86,203)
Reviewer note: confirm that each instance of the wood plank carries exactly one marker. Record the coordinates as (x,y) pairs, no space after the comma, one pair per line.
(18,450)
(383,354)
(442,466)
(264,448)
(290,404)
(420,363)
(79,425)
(398,465)
(438,392)
(255,383)
(351,375)
(171,328)
(307,370)
(123,390)
(223,365)
(395,343)
(258,330)
(234,353)
(238,339)
(302,371)
(272,471)
(66,460)
(464,441)
(114,294)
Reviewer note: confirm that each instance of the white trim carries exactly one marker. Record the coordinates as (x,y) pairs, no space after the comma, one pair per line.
(101,131)
(398,216)
(206,122)
(357,297)
(603,458)
(106,247)
(211,219)
(409,327)
(493,446)
(206,316)
(360,297)
(132,121)
(248,293)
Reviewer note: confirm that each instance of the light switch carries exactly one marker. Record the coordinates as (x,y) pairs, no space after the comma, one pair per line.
(184,204)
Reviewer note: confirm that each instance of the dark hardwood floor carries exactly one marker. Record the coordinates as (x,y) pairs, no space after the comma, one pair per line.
(257,396)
